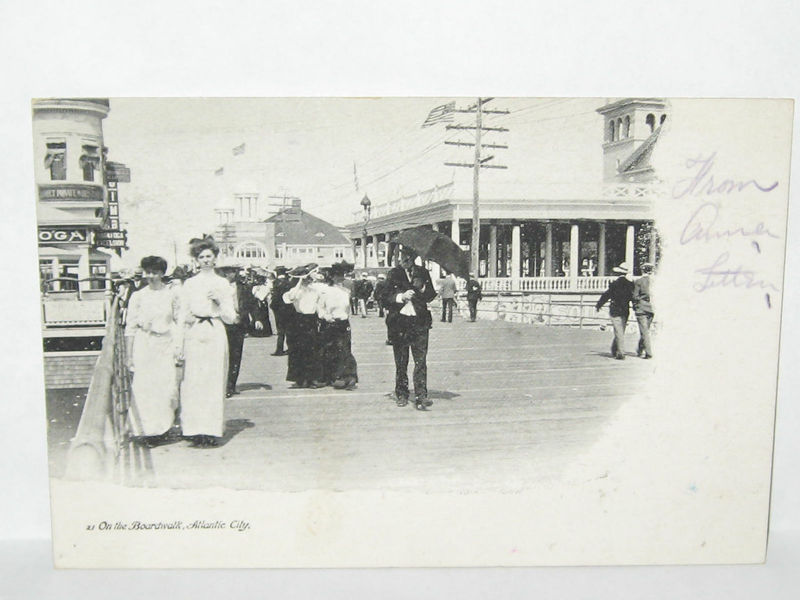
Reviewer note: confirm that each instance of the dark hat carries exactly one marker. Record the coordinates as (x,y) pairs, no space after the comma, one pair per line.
(341,268)
(303,271)
(281,270)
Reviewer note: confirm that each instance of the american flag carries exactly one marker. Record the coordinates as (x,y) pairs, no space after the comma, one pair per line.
(440,114)
(238,150)
(355,176)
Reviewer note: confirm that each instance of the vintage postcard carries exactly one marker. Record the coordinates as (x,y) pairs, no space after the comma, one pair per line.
(374,332)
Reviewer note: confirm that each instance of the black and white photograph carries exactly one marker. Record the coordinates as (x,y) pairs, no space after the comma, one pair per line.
(374,298)
(453,299)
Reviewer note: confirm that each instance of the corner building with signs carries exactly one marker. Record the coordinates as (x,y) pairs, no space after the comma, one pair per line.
(75,219)
(543,238)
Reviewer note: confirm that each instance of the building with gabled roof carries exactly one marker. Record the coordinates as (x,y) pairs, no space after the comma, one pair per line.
(288,237)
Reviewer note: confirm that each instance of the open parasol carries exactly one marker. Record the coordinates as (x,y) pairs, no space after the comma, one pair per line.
(437,247)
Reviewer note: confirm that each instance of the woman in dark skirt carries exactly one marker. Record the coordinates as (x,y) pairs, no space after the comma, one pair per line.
(260,325)
(339,367)
(302,330)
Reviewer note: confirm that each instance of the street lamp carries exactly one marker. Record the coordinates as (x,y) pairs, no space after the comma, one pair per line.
(366,204)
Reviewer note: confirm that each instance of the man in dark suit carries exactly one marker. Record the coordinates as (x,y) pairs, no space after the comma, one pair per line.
(282,311)
(643,307)
(243,302)
(474,293)
(620,292)
(408,291)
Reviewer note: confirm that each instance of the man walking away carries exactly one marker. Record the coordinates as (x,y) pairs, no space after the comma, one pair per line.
(474,293)
(643,307)
(620,292)
(447,292)
(380,286)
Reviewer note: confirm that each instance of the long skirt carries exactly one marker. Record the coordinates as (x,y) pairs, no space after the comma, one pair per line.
(154,388)
(338,362)
(205,349)
(301,337)
(260,313)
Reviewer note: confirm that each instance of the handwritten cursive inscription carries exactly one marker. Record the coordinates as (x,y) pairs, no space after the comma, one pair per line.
(703,182)
(718,274)
(702,227)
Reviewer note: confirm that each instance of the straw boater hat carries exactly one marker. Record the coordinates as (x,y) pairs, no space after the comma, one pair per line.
(304,270)
(622,269)
(341,268)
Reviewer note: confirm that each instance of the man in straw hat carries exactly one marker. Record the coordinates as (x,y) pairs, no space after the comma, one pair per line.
(643,307)
(620,292)
(408,291)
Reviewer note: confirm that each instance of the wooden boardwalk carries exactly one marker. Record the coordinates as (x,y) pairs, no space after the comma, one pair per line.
(513,404)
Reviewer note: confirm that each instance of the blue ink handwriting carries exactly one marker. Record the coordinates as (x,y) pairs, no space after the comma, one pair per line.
(703,181)
(701,227)
(719,275)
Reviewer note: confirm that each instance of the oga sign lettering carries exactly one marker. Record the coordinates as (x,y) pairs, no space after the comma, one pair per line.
(63,236)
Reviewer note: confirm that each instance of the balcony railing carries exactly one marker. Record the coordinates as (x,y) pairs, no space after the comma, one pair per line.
(553,192)
(545,284)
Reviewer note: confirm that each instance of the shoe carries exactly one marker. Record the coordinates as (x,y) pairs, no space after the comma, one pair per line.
(298,385)
(401,400)
(315,385)
(648,356)
(619,356)
(228,394)
(424,400)
(420,405)
(388,343)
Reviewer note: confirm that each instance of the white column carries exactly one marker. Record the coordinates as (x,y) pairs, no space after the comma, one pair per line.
(601,250)
(455,230)
(574,254)
(629,243)
(493,251)
(83,268)
(515,257)
(548,250)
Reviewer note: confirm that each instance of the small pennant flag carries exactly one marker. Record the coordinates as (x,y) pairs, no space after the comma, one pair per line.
(238,150)
(440,114)
(355,176)
(220,171)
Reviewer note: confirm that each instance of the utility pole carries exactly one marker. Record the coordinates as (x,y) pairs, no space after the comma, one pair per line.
(478,164)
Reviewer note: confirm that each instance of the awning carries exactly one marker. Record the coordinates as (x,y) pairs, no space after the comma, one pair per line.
(57,252)
(80,215)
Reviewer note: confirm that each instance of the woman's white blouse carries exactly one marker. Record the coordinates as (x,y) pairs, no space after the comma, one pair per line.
(153,311)
(334,303)
(196,303)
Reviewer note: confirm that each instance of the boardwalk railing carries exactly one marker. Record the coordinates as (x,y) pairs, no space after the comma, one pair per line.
(101,447)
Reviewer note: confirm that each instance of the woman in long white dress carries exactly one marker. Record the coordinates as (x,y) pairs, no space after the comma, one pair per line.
(206,304)
(152,337)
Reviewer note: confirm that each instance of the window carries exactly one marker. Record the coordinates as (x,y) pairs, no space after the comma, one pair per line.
(651,122)
(611,131)
(627,126)
(663,118)
(97,269)
(45,274)
(56,160)
(68,270)
(251,250)
(338,253)
(90,161)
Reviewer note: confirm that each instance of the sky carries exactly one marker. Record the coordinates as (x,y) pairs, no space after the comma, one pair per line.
(319,149)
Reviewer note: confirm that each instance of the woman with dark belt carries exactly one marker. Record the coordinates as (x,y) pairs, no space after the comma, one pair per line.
(206,305)
(339,367)
(302,330)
